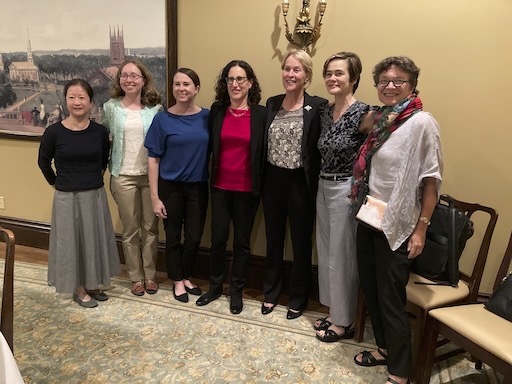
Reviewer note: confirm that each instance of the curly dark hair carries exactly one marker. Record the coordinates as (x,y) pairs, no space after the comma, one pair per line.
(221,88)
(149,94)
(401,62)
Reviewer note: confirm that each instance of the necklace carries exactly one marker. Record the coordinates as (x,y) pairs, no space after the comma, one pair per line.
(237,114)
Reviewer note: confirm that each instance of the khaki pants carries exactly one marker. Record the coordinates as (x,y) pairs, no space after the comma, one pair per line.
(140,225)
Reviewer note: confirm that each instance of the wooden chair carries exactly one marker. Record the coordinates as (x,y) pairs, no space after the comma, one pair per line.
(476,330)
(422,298)
(7,318)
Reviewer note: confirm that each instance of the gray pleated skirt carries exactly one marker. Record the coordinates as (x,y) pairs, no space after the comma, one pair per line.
(83,249)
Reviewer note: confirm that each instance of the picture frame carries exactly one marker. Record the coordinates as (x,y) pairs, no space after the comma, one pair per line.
(19,122)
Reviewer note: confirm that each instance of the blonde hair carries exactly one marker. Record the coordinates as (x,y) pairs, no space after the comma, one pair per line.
(305,60)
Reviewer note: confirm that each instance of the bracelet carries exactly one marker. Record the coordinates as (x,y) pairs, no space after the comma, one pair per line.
(425,220)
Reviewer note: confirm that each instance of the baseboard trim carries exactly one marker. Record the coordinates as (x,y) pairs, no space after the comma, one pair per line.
(37,235)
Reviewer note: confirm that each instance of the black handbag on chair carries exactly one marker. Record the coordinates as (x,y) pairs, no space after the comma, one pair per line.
(500,302)
(447,234)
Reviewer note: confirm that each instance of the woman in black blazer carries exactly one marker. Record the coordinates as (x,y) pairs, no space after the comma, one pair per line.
(237,125)
(290,182)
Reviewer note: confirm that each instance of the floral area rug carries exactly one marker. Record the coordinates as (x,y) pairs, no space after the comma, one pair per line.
(155,339)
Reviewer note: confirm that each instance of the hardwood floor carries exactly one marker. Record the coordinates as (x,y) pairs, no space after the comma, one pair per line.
(40,256)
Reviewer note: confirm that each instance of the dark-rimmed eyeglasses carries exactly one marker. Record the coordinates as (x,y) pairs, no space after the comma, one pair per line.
(131,76)
(397,83)
(238,79)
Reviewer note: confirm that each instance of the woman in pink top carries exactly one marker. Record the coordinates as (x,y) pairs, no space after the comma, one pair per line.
(236,128)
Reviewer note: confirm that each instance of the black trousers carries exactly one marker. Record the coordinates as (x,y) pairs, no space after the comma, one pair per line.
(383,277)
(239,208)
(286,196)
(186,205)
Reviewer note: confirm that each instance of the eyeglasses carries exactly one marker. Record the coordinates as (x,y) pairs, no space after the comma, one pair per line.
(239,80)
(397,83)
(132,76)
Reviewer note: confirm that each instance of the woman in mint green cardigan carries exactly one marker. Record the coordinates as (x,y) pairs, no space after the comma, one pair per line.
(128,115)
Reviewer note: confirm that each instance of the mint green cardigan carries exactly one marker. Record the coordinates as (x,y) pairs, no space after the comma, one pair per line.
(113,116)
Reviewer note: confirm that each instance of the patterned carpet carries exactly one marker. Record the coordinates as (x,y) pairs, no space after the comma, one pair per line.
(155,339)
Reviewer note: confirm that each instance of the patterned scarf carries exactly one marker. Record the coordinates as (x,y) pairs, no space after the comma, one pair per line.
(386,121)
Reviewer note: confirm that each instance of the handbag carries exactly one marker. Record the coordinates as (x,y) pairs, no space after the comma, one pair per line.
(446,238)
(372,212)
(500,302)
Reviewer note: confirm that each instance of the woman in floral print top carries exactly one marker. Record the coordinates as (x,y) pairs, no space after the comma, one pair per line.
(341,135)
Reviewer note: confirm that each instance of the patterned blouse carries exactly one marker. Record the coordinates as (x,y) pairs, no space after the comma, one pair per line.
(285,139)
(339,141)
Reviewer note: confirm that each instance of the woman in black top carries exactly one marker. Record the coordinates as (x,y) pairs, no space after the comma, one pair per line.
(236,128)
(290,181)
(83,252)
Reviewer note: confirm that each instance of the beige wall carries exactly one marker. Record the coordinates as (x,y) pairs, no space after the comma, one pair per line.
(462,47)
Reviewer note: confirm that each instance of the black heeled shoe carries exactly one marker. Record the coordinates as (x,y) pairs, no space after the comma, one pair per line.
(207,298)
(266,310)
(291,314)
(182,298)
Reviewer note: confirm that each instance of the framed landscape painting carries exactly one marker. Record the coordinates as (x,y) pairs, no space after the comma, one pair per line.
(43,49)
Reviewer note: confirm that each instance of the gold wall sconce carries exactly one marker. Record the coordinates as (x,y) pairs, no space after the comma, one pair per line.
(304,34)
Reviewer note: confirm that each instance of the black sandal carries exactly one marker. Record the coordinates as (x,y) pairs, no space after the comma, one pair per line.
(324,324)
(368,360)
(393,381)
(330,336)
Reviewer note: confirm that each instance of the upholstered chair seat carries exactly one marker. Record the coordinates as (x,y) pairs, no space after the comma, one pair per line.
(482,327)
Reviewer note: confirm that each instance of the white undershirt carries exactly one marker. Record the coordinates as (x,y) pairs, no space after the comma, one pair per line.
(134,154)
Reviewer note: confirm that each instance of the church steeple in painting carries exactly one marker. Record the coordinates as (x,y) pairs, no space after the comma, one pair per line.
(30,58)
(116,46)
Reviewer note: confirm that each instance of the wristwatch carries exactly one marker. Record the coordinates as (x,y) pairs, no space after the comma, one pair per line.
(425,220)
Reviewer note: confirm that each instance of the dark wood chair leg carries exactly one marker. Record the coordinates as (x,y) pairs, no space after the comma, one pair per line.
(423,367)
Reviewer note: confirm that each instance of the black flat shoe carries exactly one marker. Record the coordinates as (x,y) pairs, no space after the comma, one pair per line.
(98,295)
(86,304)
(291,315)
(196,291)
(236,305)
(207,298)
(235,309)
(266,310)
(183,297)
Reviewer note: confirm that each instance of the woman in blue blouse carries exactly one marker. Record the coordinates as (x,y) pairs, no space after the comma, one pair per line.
(177,144)
(128,115)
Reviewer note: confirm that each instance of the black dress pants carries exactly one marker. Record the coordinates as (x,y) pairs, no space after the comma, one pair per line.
(383,276)
(186,205)
(240,208)
(286,196)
